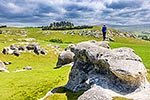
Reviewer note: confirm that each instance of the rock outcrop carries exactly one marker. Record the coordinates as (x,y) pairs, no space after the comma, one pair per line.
(105,72)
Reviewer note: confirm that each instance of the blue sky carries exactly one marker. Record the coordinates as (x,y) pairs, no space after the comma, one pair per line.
(80,12)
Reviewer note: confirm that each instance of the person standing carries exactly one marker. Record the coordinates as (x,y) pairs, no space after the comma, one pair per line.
(104,30)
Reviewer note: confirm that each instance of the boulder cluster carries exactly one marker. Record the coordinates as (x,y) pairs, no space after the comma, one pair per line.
(97,34)
(14,32)
(93,33)
(17,49)
(104,73)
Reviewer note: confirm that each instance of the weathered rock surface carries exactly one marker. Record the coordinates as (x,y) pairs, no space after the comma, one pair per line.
(65,57)
(95,93)
(3,68)
(113,72)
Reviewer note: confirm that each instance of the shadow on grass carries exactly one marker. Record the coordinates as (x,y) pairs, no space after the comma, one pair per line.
(120,98)
(69,94)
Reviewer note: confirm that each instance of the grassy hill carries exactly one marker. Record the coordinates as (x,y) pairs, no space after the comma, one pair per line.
(32,85)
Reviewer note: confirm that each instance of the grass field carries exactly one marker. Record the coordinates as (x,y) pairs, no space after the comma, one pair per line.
(32,85)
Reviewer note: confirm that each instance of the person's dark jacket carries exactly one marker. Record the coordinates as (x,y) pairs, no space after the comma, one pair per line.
(104,29)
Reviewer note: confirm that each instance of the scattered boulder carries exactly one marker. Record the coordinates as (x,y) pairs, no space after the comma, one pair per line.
(7,63)
(3,68)
(65,57)
(16,53)
(38,50)
(7,50)
(28,39)
(24,69)
(32,46)
(22,48)
(43,51)
(27,68)
(13,47)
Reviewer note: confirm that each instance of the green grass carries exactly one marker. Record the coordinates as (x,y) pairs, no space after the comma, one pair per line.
(120,98)
(34,84)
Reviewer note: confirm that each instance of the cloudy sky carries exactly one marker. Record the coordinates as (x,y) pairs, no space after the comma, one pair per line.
(80,12)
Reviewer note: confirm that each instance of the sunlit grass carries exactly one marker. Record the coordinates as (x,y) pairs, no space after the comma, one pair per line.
(33,84)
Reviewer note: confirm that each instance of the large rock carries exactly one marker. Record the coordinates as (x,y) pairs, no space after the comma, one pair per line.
(119,70)
(65,57)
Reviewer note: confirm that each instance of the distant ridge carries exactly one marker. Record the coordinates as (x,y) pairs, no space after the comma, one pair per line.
(132,28)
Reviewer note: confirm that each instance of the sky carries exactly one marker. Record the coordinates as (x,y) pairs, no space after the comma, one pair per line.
(80,12)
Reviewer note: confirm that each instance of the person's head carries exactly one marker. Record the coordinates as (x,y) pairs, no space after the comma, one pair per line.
(104,25)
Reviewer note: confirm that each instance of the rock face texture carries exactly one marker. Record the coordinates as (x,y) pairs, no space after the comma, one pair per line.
(65,57)
(105,72)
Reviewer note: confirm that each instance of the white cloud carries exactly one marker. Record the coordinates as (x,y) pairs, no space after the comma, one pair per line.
(14,8)
(84,11)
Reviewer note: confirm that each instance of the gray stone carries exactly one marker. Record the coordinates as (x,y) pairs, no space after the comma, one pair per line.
(3,68)
(95,93)
(7,63)
(119,70)
(16,53)
(65,57)
(7,50)
(27,68)
(13,47)
(37,50)
(32,46)
(22,48)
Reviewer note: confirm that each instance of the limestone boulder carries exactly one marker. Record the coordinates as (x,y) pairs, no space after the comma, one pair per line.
(3,68)
(27,68)
(38,50)
(105,73)
(119,70)
(65,57)
(32,46)
(7,50)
